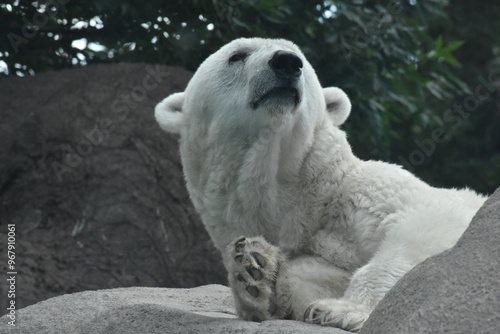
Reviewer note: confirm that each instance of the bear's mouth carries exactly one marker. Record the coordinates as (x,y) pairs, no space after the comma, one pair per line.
(280,95)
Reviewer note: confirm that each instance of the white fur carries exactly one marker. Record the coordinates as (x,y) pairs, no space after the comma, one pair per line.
(288,174)
(340,109)
(168,113)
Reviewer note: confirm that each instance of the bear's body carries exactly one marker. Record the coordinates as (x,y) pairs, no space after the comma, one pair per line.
(264,158)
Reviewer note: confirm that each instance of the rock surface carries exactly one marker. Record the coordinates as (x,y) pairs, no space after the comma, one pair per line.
(95,187)
(204,310)
(457,291)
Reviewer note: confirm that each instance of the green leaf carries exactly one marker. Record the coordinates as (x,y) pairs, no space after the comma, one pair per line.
(439,43)
(453,45)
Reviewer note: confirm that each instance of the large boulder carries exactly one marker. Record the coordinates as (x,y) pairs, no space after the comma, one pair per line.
(457,291)
(94,187)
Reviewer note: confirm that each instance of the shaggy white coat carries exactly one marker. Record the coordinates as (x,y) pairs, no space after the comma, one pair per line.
(288,174)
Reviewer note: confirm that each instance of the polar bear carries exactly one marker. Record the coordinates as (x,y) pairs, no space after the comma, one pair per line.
(307,230)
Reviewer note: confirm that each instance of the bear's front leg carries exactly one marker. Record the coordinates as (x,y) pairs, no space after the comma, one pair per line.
(253,269)
(367,287)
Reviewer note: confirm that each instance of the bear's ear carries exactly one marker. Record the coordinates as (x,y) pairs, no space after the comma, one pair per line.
(168,113)
(338,105)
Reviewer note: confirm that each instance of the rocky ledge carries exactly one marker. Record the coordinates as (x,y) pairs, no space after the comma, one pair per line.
(457,291)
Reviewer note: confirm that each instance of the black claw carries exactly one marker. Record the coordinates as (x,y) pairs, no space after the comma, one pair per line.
(240,238)
(238,258)
(261,261)
(255,273)
(312,316)
(240,244)
(253,291)
(306,313)
(240,278)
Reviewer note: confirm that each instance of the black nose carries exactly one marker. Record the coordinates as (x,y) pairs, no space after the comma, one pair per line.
(287,64)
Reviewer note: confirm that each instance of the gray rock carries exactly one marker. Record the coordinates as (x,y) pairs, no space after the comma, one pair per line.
(206,309)
(457,291)
(118,215)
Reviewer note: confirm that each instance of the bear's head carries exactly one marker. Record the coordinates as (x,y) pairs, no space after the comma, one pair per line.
(248,84)
(251,115)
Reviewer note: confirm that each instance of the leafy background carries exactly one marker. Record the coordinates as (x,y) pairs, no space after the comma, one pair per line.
(403,63)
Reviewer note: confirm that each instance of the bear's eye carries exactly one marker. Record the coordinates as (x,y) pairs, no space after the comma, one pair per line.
(239,56)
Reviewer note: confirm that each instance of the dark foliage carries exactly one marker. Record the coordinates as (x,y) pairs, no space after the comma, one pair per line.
(405,64)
